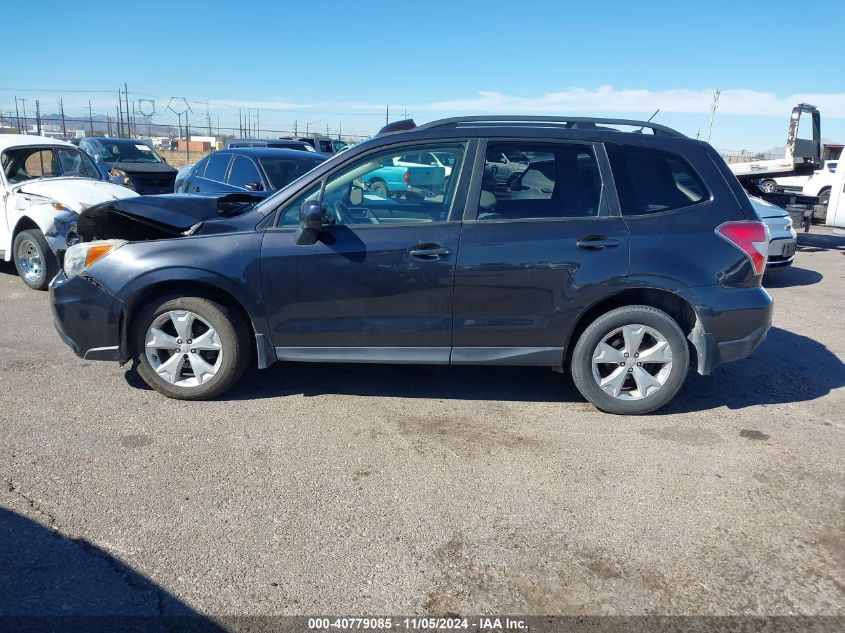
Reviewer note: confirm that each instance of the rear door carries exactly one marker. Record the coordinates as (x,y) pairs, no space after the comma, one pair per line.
(536,250)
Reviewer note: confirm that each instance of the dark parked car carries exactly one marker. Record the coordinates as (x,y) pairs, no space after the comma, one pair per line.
(637,257)
(131,163)
(278,143)
(261,170)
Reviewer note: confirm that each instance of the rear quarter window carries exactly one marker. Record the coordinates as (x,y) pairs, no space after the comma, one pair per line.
(652,181)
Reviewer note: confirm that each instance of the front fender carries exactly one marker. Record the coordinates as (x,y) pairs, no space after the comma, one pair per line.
(42,214)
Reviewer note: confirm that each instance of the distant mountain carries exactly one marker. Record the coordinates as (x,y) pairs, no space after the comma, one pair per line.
(780,150)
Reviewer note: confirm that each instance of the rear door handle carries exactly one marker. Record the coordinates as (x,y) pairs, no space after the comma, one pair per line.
(598,243)
(429,251)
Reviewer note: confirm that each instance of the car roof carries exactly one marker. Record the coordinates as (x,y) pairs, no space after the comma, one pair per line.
(28,140)
(265,140)
(116,139)
(271,152)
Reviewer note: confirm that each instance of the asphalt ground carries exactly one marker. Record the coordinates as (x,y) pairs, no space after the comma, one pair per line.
(314,489)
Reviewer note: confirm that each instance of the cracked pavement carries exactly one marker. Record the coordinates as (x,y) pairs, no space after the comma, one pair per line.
(313,489)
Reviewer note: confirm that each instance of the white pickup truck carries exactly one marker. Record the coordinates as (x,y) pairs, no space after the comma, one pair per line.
(818,184)
(41,178)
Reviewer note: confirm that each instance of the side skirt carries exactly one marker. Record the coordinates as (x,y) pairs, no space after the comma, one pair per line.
(526,356)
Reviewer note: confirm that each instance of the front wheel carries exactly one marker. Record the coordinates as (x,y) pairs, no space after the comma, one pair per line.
(35,262)
(631,360)
(191,348)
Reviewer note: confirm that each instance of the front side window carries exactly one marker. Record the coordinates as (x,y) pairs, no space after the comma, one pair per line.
(283,171)
(652,181)
(243,173)
(216,168)
(384,189)
(544,181)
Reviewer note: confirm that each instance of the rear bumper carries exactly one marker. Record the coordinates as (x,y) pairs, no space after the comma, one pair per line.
(86,317)
(731,324)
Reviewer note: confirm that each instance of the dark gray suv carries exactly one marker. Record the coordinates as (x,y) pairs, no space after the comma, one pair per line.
(628,256)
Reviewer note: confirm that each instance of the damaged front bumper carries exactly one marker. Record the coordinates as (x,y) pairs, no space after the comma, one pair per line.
(87,317)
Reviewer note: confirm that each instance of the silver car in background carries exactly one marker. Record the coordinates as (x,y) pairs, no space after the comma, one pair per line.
(782,236)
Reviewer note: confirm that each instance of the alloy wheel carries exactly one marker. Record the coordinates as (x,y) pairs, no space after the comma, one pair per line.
(183,348)
(632,362)
(30,261)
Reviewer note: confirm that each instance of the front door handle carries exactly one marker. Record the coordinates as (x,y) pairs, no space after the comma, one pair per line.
(596,243)
(429,251)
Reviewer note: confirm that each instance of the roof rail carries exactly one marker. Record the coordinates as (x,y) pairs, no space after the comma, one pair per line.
(568,122)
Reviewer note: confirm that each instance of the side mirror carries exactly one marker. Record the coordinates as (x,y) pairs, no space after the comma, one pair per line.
(310,222)
(254,186)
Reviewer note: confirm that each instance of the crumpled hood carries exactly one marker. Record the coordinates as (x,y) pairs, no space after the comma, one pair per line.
(77,194)
(156,217)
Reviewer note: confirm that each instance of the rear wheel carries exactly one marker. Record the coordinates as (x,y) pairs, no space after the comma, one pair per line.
(191,348)
(631,360)
(35,262)
(768,185)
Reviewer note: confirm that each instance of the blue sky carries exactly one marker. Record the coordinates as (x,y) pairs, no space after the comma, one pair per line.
(340,63)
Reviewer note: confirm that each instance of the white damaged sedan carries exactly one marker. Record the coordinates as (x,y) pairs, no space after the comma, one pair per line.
(42,177)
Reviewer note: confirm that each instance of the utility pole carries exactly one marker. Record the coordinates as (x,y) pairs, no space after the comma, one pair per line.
(90,118)
(119,114)
(327,129)
(25,124)
(126,96)
(295,129)
(38,117)
(17,115)
(179,114)
(134,122)
(62,110)
(108,124)
(713,105)
(387,115)
(257,124)
(340,131)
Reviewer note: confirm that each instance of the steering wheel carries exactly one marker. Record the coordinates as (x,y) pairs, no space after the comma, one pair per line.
(341,210)
(344,214)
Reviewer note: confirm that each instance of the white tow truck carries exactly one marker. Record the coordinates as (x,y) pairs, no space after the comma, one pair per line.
(42,177)
(802,157)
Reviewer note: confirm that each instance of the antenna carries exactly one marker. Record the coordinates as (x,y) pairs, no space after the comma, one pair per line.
(713,105)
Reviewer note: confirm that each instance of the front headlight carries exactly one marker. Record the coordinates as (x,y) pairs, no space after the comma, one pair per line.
(120,177)
(82,256)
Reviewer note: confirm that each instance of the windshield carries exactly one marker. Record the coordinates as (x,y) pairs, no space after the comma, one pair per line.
(28,163)
(283,171)
(126,151)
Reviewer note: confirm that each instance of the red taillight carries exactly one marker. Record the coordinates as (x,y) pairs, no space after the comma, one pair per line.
(752,238)
(407,177)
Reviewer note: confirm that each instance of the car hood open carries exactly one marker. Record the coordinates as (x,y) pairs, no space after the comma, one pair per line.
(157,217)
(76,194)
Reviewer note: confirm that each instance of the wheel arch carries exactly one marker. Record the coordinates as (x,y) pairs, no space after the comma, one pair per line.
(265,351)
(669,302)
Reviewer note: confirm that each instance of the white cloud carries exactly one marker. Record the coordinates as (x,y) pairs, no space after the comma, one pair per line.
(609,99)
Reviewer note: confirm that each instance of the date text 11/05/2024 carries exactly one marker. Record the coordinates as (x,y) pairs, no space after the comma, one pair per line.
(492,624)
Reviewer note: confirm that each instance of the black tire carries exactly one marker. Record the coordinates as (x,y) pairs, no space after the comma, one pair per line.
(379,187)
(582,359)
(768,186)
(38,269)
(233,335)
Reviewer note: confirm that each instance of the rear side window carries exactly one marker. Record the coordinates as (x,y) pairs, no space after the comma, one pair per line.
(652,181)
(199,168)
(543,180)
(216,168)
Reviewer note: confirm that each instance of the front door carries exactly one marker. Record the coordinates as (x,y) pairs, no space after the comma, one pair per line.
(377,284)
(542,246)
